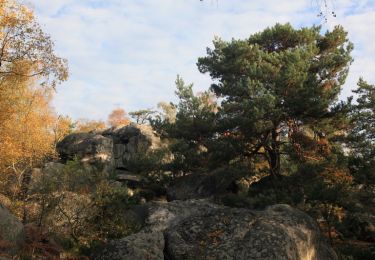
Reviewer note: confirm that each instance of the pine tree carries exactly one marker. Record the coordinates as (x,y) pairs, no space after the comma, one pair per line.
(362,134)
(191,130)
(275,84)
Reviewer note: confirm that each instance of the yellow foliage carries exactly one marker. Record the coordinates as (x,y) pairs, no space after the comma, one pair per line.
(23,42)
(29,72)
(85,125)
(118,117)
(25,127)
(63,125)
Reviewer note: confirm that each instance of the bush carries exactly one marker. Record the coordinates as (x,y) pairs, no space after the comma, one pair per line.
(82,207)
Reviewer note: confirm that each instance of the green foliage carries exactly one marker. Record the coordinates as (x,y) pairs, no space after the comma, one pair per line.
(191,130)
(80,205)
(142,116)
(275,82)
(362,134)
(151,166)
(111,201)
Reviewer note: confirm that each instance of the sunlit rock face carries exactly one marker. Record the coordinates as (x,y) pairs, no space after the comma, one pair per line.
(111,149)
(130,140)
(199,229)
(90,148)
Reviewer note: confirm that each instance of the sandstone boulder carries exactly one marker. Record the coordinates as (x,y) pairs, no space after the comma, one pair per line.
(91,148)
(142,245)
(112,148)
(130,140)
(279,232)
(199,229)
(12,234)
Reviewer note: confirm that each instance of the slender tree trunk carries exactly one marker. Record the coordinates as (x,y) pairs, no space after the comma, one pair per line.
(274,154)
(26,179)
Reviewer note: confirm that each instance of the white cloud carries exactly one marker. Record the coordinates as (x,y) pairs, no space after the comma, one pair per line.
(128,53)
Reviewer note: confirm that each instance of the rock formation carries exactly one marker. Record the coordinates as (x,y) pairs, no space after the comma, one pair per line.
(199,229)
(111,149)
(12,233)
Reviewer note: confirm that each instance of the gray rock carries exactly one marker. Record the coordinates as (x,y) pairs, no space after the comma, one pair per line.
(279,232)
(142,246)
(91,148)
(127,177)
(162,215)
(199,229)
(130,140)
(12,231)
(111,149)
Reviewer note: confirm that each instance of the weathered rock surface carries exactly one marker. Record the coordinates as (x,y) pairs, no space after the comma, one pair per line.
(279,232)
(130,140)
(142,245)
(90,148)
(112,148)
(199,229)
(12,232)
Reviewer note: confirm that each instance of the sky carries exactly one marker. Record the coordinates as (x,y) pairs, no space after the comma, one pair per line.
(127,53)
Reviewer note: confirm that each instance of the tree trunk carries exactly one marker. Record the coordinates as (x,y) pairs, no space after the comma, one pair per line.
(26,179)
(274,154)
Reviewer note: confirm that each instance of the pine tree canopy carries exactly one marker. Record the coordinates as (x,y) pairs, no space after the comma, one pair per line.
(276,81)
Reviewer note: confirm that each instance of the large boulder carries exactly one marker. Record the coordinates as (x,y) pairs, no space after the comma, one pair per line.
(12,234)
(142,245)
(129,141)
(279,232)
(199,229)
(112,148)
(91,148)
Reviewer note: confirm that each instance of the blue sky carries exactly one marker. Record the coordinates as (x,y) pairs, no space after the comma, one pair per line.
(127,53)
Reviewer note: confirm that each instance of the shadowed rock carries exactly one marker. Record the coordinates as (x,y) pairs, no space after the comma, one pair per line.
(199,229)
(12,233)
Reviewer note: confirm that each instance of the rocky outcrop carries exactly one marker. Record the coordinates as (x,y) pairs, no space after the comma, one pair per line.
(199,229)
(12,234)
(112,148)
(130,140)
(91,148)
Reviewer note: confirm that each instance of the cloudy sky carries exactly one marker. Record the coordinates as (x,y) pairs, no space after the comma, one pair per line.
(127,53)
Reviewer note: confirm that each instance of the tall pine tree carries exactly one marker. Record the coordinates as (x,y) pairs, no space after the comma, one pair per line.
(275,84)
